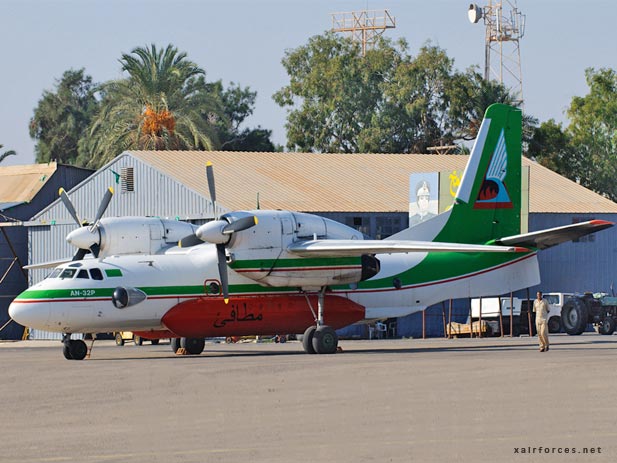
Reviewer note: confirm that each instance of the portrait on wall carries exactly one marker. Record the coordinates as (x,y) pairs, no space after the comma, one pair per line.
(423,197)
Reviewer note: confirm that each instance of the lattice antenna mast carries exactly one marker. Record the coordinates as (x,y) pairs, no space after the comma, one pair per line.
(364,26)
(505,26)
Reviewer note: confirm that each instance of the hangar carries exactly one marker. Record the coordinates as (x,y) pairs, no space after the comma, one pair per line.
(24,191)
(367,191)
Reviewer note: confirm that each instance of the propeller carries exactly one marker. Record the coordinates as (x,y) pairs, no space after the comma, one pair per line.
(218,232)
(87,237)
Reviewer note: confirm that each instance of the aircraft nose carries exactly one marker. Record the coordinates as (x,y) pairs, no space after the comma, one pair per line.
(35,315)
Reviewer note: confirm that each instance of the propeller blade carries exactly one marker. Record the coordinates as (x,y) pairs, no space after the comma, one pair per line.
(189,240)
(210,177)
(80,254)
(241,224)
(222,263)
(69,205)
(103,207)
(95,249)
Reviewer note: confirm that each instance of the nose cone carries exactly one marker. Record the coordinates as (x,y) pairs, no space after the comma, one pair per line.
(34,315)
(83,238)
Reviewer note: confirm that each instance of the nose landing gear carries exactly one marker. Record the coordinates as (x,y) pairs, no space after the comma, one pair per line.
(73,349)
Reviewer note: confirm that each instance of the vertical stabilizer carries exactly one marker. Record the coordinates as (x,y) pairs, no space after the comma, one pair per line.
(488,202)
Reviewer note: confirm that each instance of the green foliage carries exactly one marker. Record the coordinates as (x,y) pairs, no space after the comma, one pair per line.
(163,104)
(586,151)
(386,101)
(238,103)
(6,154)
(61,117)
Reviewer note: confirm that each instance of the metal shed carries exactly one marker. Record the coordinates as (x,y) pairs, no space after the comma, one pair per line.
(24,190)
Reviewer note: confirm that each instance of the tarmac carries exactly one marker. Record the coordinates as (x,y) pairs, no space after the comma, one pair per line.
(436,400)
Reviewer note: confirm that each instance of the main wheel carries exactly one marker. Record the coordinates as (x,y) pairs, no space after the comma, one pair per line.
(325,340)
(175,344)
(574,316)
(77,349)
(607,326)
(154,341)
(307,339)
(119,339)
(193,346)
(138,340)
(554,325)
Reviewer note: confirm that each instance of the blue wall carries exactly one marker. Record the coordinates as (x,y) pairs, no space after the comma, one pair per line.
(15,281)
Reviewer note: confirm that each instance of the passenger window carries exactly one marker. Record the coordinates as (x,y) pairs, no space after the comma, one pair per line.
(68,273)
(96,274)
(83,274)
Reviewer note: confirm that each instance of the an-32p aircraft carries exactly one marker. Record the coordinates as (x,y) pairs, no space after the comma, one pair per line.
(264,272)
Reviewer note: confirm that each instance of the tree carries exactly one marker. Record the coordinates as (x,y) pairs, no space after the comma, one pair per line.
(6,154)
(238,104)
(593,128)
(552,147)
(386,101)
(586,151)
(61,117)
(163,104)
(334,94)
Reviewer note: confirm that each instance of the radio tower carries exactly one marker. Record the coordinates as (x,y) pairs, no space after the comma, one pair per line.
(505,26)
(364,26)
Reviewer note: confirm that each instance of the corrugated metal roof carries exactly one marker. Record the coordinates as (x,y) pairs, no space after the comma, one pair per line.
(19,184)
(345,182)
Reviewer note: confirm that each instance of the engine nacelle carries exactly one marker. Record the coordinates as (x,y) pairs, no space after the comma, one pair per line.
(130,235)
(260,253)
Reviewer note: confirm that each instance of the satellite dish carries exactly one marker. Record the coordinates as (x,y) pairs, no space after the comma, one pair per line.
(474,13)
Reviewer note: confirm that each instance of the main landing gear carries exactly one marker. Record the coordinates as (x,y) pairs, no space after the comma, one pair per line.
(320,338)
(74,349)
(190,346)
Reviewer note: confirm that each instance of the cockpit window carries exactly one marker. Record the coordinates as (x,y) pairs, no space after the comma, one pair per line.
(96,274)
(82,274)
(55,273)
(68,273)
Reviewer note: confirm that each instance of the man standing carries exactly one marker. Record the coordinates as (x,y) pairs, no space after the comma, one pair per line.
(540,307)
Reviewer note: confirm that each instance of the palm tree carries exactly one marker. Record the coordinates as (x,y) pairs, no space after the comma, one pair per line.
(6,154)
(163,104)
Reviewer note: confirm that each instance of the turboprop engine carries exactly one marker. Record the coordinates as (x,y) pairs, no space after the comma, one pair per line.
(260,252)
(129,235)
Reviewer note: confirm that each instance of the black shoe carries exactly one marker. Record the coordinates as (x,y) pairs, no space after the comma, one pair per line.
(546,350)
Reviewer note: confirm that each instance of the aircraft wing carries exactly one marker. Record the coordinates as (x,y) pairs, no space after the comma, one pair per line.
(50,264)
(350,248)
(552,236)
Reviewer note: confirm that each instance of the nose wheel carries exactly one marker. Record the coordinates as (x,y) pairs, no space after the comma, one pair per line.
(74,349)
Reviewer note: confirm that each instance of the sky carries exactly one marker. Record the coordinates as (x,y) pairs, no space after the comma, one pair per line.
(243,41)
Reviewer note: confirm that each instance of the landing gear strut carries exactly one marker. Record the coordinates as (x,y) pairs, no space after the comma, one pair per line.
(74,349)
(320,338)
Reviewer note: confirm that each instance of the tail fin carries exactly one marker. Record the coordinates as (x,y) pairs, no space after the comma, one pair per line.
(488,202)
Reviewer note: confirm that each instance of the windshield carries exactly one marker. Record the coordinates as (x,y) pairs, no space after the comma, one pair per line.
(68,273)
(54,273)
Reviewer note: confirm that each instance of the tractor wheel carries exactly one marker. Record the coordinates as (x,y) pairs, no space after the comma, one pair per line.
(574,316)
(607,326)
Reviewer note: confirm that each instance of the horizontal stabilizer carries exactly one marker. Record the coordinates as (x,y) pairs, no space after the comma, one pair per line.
(350,248)
(550,237)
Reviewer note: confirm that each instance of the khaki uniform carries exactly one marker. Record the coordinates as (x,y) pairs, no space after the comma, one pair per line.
(540,307)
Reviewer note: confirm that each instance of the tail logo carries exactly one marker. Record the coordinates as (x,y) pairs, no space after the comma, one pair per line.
(493,193)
